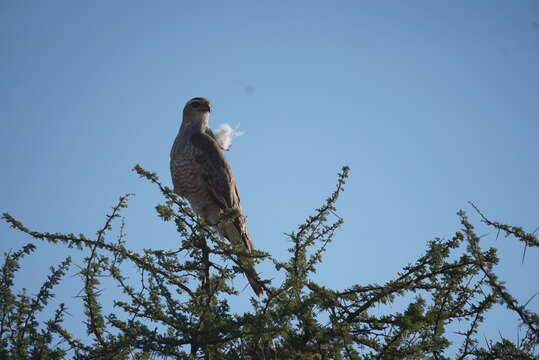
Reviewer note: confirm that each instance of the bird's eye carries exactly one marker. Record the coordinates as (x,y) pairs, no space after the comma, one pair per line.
(195,104)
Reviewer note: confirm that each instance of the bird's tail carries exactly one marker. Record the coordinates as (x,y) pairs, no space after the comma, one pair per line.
(254,281)
(238,234)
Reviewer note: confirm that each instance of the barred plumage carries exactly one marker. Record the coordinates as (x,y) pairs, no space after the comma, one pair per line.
(201,174)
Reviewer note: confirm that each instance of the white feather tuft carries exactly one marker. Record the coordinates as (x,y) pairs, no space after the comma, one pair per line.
(224,135)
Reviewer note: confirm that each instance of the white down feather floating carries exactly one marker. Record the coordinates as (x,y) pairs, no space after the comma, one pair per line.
(224,135)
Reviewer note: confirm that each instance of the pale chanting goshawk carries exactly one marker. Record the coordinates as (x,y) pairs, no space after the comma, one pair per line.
(202,174)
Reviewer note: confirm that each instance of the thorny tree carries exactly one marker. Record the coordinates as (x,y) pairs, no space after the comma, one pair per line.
(177,307)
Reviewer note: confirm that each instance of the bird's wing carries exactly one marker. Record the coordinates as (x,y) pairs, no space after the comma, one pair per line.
(216,171)
(210,133)
(222,187)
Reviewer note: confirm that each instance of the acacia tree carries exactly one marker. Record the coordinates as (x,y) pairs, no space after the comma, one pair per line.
(178,307)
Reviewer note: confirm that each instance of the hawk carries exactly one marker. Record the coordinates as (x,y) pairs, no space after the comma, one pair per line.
(202,174)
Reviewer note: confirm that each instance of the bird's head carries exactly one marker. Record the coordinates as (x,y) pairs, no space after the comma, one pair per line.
(196,113)
(197,106)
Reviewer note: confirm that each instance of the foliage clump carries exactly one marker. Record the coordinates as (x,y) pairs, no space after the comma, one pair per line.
(178,306)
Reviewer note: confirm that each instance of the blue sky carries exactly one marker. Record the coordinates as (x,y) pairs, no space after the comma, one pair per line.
(430,104)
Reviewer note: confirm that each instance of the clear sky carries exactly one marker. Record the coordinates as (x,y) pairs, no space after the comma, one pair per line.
(431,104)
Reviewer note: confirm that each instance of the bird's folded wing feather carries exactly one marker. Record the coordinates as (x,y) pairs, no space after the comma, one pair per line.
(216,171)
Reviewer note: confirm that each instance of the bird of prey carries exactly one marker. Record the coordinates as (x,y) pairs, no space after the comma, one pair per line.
(202,174)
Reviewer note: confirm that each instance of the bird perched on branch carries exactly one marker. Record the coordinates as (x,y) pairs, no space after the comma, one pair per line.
(201,174)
